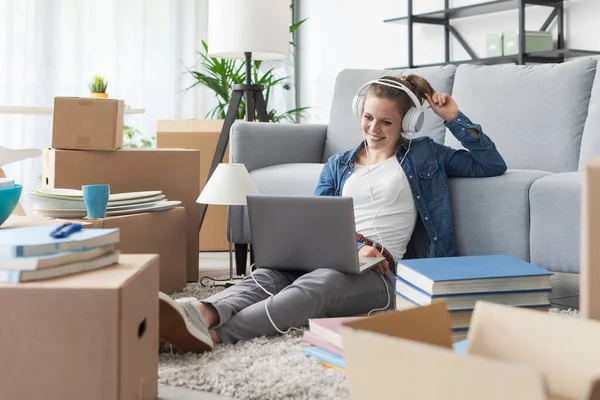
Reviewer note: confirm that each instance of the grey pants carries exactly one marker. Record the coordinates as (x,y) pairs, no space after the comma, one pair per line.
(297,297)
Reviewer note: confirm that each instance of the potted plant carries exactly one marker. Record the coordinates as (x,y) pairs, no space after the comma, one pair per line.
(97,87)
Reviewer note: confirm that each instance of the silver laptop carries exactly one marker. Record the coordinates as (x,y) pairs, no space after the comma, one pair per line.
(305,233)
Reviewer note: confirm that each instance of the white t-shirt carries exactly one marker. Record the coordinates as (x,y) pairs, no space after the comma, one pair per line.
(392,210)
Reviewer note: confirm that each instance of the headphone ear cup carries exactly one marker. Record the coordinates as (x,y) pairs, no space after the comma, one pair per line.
(413,120)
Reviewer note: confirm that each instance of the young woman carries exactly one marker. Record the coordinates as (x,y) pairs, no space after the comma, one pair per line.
(396,183)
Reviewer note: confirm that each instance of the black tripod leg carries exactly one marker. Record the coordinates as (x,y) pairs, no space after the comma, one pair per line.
(261,107)
(241,257)
(234,105)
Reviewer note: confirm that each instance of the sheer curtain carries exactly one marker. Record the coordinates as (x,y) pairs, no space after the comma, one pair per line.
(53,48)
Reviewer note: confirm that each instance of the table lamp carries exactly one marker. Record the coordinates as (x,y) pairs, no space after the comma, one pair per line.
(246,30)
(228,186)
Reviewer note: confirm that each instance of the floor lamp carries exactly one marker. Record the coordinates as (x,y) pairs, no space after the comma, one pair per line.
(247,30)
(228,186)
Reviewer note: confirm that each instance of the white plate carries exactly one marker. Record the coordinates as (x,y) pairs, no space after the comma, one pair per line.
(56,203)
(160,206)
(78,194)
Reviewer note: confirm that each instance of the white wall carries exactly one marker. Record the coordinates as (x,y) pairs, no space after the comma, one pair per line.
(351,34)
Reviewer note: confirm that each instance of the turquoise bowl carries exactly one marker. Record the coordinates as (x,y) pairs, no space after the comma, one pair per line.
(9,198)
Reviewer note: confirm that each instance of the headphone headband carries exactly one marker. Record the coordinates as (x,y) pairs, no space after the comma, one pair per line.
(393,84)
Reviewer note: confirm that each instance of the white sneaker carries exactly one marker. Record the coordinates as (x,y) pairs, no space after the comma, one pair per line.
(182,325)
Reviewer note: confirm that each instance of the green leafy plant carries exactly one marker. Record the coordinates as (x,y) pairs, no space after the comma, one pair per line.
(98,84)
(133,139)
(220,75)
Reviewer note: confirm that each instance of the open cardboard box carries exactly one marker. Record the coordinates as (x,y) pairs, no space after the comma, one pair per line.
(512,353)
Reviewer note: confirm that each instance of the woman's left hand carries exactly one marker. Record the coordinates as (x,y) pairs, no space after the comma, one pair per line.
(443,105)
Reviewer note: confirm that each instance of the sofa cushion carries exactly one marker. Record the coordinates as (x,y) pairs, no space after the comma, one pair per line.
(555,213)
(343,132)
(285,179)
(534,113)
(491,215)
(590,141)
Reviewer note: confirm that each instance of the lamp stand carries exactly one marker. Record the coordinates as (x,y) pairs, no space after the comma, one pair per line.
(215,282)
(255,106)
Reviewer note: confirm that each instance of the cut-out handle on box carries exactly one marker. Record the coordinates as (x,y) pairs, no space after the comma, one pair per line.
(142,329)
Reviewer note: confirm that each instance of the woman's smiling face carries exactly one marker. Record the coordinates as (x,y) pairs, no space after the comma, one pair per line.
(381,123)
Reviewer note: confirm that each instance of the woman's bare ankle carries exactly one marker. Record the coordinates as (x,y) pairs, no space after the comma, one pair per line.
(214,336)
(210,315)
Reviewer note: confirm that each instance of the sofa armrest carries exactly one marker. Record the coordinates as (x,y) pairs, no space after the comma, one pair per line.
(262,144)
(491,215)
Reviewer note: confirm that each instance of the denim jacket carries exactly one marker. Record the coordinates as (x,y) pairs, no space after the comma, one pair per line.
(428,165)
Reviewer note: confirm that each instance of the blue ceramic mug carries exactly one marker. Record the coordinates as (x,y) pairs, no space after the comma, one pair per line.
(95,198)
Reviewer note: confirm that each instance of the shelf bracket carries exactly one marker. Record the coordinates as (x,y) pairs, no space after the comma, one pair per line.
(462,42)
(549,20)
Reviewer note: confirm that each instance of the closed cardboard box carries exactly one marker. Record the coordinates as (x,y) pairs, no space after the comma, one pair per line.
(87,124)
(589,275)
(162,233)
(203,136)
(90,336)
(173,171)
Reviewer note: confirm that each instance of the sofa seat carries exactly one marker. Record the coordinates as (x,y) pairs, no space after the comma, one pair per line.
(491,214)
(555,229)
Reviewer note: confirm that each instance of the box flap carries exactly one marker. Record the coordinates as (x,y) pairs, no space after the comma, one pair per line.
(566,350)
(428,324)
(589,278)
(383,366)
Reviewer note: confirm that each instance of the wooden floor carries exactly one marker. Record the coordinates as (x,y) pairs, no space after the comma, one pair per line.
(565,287)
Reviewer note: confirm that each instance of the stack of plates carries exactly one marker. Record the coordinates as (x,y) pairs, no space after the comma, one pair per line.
(68,203)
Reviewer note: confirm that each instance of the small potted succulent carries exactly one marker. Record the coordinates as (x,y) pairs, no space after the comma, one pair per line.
(98,87)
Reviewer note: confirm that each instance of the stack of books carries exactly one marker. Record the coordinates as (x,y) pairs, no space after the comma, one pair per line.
(462,281)
(45,252)
(325,341)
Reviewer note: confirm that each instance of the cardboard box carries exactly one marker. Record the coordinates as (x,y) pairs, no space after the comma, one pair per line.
(85,123)
(174,171)
(201,135)
(589,274)
(512,353)
(162,233)
(87,336)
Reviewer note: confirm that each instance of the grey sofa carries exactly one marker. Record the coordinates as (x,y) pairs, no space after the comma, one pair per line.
(545,120)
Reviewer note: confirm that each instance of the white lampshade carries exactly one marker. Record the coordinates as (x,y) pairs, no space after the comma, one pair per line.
(257,26)
(228,185)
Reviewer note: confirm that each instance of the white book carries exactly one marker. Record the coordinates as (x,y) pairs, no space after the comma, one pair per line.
(16,276)
(53,260)
(36,241)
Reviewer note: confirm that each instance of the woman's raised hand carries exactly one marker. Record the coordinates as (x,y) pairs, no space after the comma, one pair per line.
(443,105)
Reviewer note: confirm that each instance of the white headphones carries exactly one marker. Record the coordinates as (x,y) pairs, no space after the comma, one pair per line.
(412,122)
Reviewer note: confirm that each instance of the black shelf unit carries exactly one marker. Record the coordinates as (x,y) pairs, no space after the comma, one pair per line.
(445,16)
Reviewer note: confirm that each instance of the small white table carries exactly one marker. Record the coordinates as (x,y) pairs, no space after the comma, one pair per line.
(33,110)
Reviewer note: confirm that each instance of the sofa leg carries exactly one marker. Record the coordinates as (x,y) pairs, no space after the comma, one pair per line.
(241,257)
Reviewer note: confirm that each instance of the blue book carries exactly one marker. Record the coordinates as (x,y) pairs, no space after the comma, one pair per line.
(36,241)
(324,356)
(472,274)
(460,347)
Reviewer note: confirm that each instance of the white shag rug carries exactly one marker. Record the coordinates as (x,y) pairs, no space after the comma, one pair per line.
(270,368)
